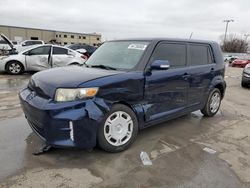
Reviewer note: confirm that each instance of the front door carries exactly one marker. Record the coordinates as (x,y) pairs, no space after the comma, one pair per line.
(166,90)
(37,59)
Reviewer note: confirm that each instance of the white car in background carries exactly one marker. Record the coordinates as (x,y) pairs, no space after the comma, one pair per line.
(40,58)
(27,44)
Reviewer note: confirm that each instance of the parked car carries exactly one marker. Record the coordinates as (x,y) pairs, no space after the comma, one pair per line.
(27,44)
(127,85)
(40,58)
(245,82)
(229,58)
(90,49)
(241,62)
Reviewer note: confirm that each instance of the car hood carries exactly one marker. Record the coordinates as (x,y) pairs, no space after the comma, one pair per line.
(7,40)
(46,82)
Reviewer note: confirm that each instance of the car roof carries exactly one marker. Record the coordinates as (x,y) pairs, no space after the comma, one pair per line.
(40,45)
(168,39)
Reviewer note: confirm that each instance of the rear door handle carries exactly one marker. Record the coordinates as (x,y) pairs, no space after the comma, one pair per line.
(212,69)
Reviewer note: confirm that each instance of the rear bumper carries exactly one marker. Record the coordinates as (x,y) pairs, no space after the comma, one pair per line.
(69,124)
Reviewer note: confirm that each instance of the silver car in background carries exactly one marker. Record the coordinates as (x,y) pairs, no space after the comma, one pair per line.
(40,58)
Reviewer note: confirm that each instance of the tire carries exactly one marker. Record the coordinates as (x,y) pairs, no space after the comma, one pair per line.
(14,67)
(211,109)
(244,84)
(118,129)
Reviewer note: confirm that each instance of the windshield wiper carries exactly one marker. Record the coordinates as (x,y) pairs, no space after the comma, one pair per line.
(103,67)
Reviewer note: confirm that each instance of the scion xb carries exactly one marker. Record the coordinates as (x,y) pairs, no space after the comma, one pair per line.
(125,86)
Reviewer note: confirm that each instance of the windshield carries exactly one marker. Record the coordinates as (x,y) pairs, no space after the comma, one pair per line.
(118,55)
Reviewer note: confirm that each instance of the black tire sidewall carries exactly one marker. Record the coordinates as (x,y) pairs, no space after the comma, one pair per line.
(206,110)
(8,70)
(244,84)
(103,143)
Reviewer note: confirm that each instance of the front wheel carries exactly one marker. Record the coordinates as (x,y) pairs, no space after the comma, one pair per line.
(118,129)
(244,84)
(14,67)
(213,103)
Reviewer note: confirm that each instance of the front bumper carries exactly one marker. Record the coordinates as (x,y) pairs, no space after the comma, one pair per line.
(67,124)
(246,79)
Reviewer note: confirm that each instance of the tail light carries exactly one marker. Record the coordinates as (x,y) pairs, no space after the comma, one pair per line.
(84,57)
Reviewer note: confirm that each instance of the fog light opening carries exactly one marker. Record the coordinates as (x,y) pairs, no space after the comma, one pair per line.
(71,127)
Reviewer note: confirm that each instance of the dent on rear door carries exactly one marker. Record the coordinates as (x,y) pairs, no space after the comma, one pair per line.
(60,60)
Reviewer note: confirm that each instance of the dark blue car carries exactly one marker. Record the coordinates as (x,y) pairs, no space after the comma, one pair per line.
(125,86)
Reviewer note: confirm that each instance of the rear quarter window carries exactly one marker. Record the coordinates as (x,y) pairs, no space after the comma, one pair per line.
(200,54)
(59,51)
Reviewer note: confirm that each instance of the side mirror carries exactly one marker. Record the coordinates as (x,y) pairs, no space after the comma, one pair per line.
(28,53)
(82,51)
(23,44)
(160,65)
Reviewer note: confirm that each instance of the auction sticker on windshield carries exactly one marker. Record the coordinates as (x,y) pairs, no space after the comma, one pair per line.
(137,46)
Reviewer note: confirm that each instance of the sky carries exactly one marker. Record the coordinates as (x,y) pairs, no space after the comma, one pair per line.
(116,19)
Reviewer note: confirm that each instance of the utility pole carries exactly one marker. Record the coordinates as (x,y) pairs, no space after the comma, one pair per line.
(227,22)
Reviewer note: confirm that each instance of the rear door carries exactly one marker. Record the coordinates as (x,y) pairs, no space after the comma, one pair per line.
(37,59)
(201,70)
(60,56)
(166,90)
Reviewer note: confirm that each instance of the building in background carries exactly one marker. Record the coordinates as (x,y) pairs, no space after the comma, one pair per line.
(19,34)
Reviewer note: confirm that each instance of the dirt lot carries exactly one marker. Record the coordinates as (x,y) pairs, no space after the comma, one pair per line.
(175,148)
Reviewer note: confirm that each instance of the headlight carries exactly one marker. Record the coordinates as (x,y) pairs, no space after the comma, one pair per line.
(65,94)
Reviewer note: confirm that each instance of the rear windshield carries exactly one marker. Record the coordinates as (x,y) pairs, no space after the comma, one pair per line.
(119,54)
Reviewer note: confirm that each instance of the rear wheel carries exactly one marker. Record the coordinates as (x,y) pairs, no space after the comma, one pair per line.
(213,103)
(14,67)
(118,129)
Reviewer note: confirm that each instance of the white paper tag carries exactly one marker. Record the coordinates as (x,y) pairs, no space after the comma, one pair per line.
(209,150)
(137,46)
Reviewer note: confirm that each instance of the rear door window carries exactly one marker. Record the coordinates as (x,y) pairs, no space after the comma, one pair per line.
(59,51)
(172,52)
(200,54)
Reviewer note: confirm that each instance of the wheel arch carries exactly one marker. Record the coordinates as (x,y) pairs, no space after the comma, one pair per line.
(219,83)
(221,88)
(137,109)
(13,60)
(74,63)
